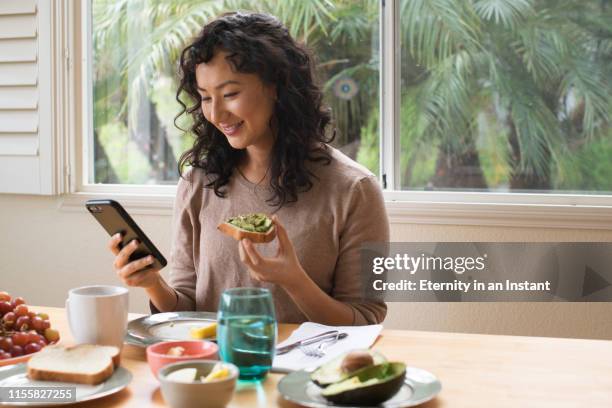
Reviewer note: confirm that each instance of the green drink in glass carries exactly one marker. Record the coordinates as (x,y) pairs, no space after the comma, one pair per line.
(246,331)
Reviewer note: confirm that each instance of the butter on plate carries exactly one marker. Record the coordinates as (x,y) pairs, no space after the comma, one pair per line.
(203,332)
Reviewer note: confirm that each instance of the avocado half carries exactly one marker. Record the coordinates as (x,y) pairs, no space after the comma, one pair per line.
(369,386)
(331,372)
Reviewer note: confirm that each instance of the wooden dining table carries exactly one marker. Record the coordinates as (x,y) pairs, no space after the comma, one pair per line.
(475,370)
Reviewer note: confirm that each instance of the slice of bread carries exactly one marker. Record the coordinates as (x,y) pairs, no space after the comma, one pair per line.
(239,233)
(83,364)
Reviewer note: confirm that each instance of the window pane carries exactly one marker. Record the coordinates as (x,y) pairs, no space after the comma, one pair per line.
(506,95)
(136,45)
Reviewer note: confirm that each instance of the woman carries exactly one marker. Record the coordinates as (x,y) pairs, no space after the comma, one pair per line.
(261,146)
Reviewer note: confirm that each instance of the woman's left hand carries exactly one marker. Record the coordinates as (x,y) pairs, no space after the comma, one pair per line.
(284,269)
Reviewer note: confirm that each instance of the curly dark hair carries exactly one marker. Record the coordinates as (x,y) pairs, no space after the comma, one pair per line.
(259,44)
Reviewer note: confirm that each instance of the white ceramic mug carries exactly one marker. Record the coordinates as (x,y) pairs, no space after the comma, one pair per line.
(98,314)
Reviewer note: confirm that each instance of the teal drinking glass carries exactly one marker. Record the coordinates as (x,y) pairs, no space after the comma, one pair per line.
(246,331)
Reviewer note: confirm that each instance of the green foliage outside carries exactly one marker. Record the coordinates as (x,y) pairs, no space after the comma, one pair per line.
(121,151)
(497,95)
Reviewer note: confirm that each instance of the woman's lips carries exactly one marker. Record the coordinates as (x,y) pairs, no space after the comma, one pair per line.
(233,129)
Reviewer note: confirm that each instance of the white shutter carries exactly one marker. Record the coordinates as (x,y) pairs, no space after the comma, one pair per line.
(26,125)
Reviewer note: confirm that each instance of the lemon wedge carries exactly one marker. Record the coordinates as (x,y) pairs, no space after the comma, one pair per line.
(203,332)
(218,372)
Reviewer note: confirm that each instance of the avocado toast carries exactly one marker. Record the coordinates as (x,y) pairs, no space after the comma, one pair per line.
(257,227)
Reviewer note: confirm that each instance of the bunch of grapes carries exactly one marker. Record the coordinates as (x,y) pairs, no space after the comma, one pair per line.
(21,330)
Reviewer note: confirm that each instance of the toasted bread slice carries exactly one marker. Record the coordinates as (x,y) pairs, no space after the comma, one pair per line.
(237,232)
(83,364)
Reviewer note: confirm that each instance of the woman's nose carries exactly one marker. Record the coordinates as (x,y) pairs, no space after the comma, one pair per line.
(217,111)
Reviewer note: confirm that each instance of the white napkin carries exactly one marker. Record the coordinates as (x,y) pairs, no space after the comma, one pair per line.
(359,337)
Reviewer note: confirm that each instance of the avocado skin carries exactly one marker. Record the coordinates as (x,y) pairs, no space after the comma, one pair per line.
(372,394)
(378,359)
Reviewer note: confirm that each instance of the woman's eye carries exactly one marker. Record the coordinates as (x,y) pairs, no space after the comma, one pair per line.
(229,95)
(206,99)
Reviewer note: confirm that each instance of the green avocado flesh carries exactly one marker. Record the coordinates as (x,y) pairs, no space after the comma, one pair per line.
(331,371)
(251,222)
(369,386)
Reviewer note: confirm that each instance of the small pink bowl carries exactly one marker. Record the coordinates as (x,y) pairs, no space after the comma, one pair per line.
(194,350)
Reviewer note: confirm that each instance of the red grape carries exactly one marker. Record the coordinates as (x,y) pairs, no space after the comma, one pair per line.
(34,337)
(5,307)
(37,323)
(20,339)
(31,348)
(23,323)
(23,330)
(16,351)
(51,335)
(9,320)
(6,343)
(46,325)
(21,310)
(17,301)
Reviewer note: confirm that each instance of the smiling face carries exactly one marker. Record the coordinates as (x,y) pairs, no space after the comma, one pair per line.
(239,105)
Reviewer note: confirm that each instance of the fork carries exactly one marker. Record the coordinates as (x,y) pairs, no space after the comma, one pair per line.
(318,351)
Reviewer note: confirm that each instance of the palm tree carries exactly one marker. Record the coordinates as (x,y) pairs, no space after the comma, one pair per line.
(540,70)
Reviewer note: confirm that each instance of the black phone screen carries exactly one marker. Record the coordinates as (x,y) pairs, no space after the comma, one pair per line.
(114,219)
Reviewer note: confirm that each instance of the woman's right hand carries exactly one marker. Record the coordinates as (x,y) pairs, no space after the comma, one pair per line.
(131,273)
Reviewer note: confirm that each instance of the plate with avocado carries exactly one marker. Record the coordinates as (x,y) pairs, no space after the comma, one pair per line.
(359,379)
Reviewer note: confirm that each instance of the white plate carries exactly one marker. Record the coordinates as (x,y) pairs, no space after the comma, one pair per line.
(16,376)
(419,386)
(166,326)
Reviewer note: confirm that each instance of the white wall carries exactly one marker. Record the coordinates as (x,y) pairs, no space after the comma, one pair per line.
(44,251)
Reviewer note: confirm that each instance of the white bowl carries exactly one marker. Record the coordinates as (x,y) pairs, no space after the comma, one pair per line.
(196,394)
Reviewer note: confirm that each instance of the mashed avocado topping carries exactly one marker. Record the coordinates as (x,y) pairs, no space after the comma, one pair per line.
(252,222)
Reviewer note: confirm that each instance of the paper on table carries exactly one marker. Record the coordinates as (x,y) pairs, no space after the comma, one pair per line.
(359,337)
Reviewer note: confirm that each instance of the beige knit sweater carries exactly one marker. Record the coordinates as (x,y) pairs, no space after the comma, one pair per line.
(327,225)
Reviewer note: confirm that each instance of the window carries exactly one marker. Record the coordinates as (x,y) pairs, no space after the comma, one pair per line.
(135,48)
(482,112)
(506,96)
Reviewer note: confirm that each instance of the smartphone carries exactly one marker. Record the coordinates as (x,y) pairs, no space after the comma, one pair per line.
(113,218)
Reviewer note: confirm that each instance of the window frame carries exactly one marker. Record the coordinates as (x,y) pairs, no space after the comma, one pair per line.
(550,210)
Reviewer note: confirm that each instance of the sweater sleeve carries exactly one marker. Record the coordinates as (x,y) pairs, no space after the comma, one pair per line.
(182,267)
(366,221)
